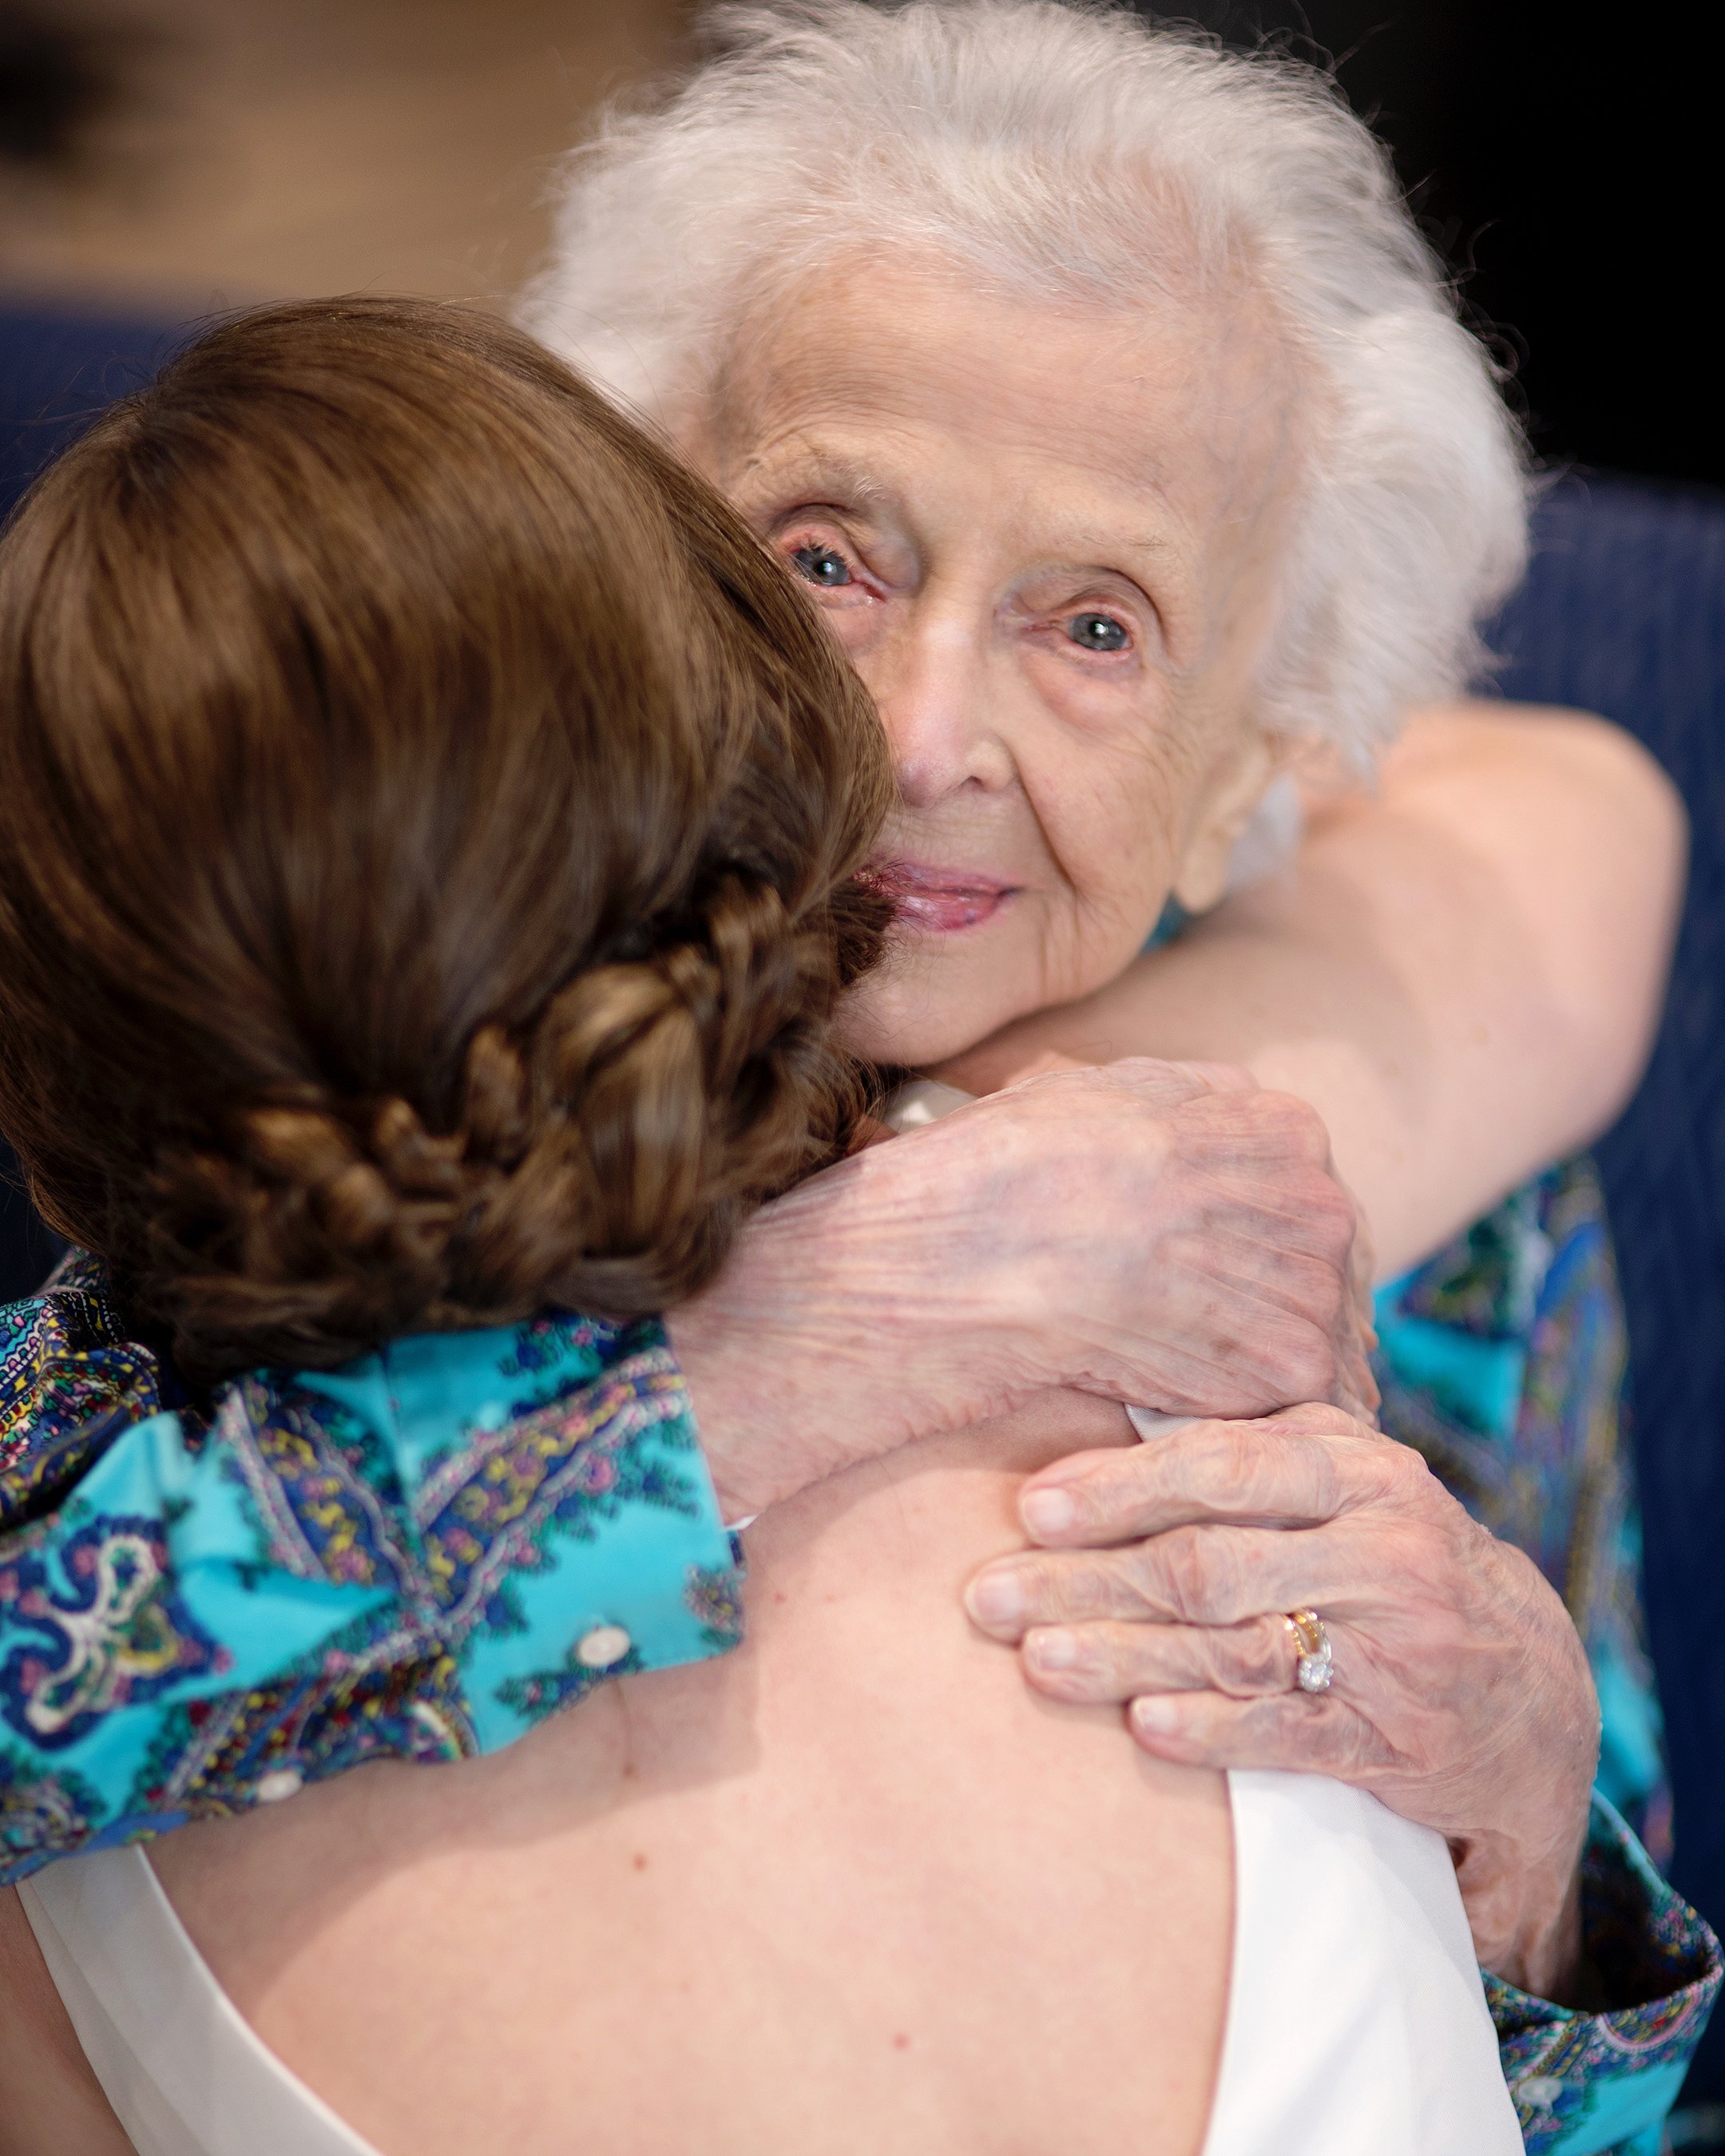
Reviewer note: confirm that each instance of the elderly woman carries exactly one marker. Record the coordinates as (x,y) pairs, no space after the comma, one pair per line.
(1102,391)
(1133,449)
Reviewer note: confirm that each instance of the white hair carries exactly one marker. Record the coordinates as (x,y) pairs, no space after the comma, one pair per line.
(1080,152)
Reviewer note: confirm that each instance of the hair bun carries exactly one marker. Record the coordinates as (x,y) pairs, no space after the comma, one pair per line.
(607,1157)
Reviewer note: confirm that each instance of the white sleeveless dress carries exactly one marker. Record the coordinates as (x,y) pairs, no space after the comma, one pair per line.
(1357,2023)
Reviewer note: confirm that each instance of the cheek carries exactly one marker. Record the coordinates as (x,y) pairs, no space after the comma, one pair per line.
(1110,811)
(867,658)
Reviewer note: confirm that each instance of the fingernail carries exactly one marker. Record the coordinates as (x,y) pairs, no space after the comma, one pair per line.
(1050,1648)
(1157,1716)
(995,1599)
(1048,1511)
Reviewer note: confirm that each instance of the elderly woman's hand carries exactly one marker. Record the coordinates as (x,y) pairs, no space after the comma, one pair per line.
(1154,1232)
(1461,1695)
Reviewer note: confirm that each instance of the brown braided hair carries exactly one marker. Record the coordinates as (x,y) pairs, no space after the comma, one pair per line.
(429,828)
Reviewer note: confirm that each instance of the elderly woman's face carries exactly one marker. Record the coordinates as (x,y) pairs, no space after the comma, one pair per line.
(1048,540)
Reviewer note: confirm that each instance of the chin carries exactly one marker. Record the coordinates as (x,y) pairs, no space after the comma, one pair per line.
(916,1021)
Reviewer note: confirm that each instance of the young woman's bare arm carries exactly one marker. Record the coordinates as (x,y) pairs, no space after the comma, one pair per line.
(51,2103)
(1462,975)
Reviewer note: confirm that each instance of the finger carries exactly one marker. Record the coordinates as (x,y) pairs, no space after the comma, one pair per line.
(1306,1735)
(1038,1066)
(1259,1325)
(1194,1079)
(1202,1575)
(1357,1395)
(1162,1088)
(1101,1664)
(1292,1471)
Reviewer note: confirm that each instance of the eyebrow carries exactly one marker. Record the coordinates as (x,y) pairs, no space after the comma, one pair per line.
(801,464)
(797,463)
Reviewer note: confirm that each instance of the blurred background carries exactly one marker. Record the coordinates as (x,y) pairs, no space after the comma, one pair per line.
(165,156)
(162,157)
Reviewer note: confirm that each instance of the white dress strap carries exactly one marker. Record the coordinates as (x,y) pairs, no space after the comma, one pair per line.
(186,2074)
(1356,2021)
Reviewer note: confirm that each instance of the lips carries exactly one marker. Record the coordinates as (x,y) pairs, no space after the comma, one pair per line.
(941,901)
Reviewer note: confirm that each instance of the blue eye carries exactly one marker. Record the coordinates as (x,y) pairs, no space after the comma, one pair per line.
(1097,632)
(821,566)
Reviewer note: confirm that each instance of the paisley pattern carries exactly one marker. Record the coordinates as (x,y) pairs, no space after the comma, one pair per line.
(110,1631)
(201,1611)
(1585,2082)
(70,1381)
(400,1559)
(1502,1359)
(69,1378)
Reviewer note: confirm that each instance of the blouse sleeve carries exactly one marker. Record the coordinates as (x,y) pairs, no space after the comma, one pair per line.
(1585,2082)
(201,1613)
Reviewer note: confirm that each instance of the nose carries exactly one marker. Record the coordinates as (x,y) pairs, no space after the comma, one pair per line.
(936,707)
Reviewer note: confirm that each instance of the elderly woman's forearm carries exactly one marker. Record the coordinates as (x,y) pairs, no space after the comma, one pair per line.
(1519,885)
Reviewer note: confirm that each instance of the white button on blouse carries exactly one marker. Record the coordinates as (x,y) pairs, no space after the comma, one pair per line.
(604,1647)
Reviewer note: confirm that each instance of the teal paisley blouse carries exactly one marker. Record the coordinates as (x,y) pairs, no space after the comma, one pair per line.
(418,1555)
(421,1555)
(1503,1360)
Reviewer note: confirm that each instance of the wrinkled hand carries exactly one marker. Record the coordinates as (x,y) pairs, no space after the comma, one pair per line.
(1166,1234)
(1186,1243)
(1462,1696)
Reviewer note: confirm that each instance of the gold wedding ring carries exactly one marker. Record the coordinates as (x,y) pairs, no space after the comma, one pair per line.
(1315,1669)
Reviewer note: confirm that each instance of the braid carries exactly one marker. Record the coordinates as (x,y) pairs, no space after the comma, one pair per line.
(606,1157)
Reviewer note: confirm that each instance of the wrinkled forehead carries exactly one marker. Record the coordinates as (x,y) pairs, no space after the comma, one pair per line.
(1192,399)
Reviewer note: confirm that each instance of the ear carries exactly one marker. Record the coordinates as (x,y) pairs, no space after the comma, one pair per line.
(1235,787)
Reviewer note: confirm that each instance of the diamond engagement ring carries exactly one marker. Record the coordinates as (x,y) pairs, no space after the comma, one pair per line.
(1311,1642)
